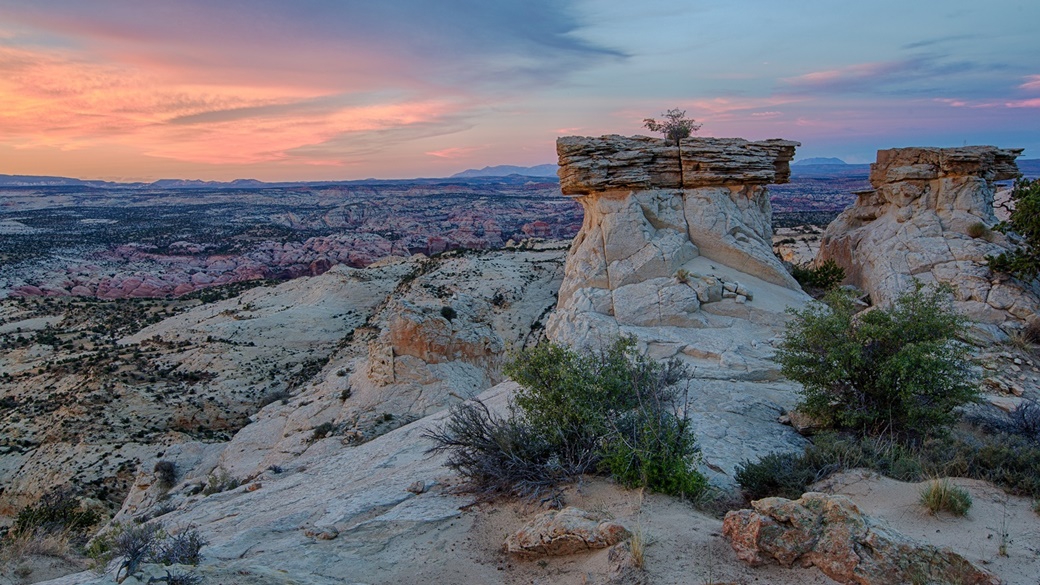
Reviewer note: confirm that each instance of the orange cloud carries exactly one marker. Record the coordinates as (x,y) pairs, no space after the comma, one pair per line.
(55,100)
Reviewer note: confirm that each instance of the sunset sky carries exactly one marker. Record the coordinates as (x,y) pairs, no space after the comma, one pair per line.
(349,89)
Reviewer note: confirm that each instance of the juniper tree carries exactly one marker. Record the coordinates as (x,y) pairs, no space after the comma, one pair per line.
(675,127)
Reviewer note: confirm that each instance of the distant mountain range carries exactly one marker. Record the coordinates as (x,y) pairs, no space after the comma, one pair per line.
(476,178)
(548,170)
(810,167)
(819,160)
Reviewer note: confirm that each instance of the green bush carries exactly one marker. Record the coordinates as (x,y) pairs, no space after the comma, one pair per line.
(896,371)
(1024,261)
(826,276)
(789,475)
(1007,460)
(612,411)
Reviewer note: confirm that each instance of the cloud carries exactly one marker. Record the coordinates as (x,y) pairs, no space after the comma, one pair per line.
(454,152)
(1032,83)
(937,41)
(902,76)
(1030,103)
(325,42)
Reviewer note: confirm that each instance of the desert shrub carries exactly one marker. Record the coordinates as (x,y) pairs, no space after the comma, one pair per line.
(978,230)
(1010,461)
(221,481)
(166,473)
(1023,420)
(145,543)
(896,370)
(613,411)
(276,396)
(448,313)
(1024,261)
(941,495)
(826,276)
(1032,331)
(57,511)
(321,431)
(181,549)
(777,474)
(789,474)
(498,455)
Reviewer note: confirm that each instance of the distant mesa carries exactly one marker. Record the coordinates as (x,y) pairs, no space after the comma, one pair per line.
(819,160)
(548,170)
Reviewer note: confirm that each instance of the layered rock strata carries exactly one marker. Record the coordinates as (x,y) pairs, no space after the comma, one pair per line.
(918,222)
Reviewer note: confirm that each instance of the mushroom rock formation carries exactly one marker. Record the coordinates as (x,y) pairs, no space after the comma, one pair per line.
(650,210)
(915,224)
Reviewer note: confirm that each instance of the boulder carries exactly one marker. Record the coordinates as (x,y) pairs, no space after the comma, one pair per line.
(829,532)
(915,224)
(564,532)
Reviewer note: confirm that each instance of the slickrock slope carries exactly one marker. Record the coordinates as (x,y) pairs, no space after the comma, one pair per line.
(684,262)
(355,514)
(363,350)
(914,225)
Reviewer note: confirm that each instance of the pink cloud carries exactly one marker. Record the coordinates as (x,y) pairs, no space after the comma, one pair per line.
(1032,83)
(454,152)
(858,72)
(1030,103)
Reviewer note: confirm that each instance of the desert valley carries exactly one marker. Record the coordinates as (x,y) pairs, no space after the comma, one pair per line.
(264,368)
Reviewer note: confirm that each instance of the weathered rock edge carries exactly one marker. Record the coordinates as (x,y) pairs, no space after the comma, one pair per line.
(917,223)
(830,532)
(613,162)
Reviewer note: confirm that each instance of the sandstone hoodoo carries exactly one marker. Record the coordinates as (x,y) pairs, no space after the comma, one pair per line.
(686,267)
(642,227)
(930,217)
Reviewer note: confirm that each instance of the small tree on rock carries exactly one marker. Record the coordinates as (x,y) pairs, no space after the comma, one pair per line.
(675,127)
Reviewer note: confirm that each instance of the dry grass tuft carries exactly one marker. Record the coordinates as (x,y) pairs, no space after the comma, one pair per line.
(942,496)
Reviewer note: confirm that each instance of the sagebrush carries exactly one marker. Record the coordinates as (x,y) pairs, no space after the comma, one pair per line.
(614,411)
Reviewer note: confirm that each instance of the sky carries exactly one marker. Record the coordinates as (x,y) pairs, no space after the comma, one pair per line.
(133,90)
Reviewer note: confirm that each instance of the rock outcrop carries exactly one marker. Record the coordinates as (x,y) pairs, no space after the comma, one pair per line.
(674,250)
(918,222)
(564,532)
(831,533)
(645,222)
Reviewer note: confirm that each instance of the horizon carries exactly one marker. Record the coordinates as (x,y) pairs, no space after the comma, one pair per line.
(121,91)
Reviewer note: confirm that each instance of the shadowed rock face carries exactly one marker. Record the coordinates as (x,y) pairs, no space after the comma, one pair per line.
(915,224)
